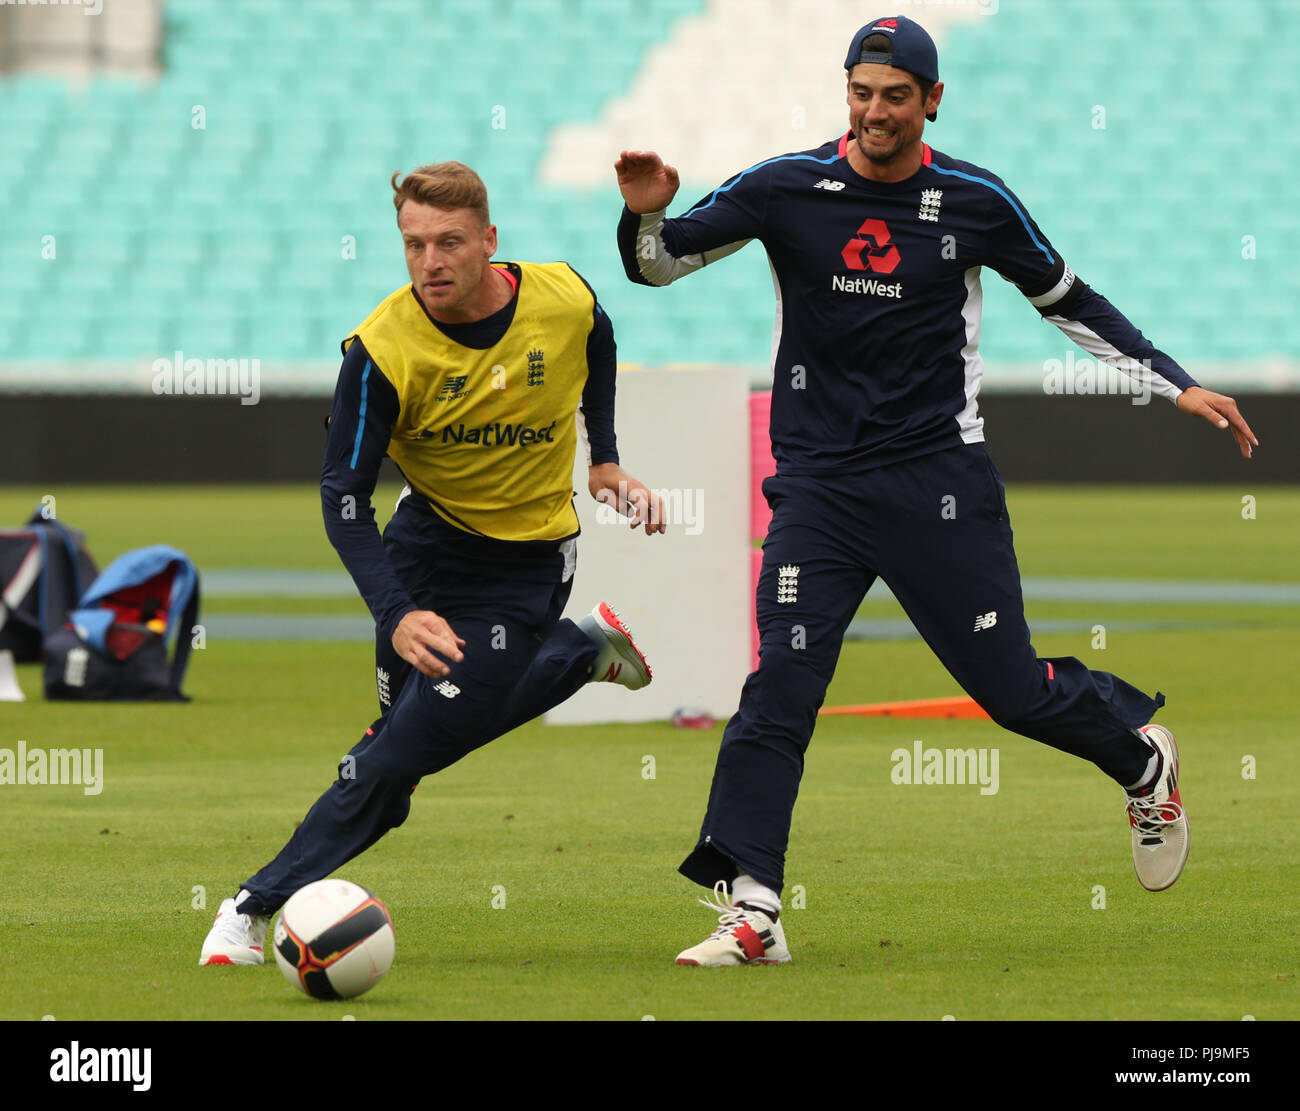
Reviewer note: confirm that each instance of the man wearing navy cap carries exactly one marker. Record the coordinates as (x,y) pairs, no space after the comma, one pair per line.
(876,243)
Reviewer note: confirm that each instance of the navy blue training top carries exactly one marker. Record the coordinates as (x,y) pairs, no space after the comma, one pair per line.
(876,348)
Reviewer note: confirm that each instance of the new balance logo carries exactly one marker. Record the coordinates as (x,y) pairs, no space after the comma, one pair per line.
(832,186)
(787,583)
(985,621)
(447,689)
(452,388)
(930,205)
(611,676)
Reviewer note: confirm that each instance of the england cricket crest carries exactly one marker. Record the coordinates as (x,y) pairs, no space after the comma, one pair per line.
(537,367)
(930,199)
(787,583)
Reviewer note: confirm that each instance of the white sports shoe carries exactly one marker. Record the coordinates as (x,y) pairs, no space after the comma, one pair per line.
(1159,825)
(234,938)
(742,937)
(620,660)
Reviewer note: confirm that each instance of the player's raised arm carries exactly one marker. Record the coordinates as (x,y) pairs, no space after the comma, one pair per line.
(658,251)
(648,184)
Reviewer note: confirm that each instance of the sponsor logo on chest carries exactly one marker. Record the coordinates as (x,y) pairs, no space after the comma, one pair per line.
(481,398)
(497,434)
(872,250)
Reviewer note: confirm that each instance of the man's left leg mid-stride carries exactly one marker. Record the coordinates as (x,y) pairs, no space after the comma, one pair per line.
(957,577)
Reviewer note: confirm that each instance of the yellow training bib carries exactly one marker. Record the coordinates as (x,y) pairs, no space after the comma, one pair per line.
(488,436)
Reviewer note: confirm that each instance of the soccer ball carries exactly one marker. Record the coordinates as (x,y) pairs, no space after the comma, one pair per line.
(334,940)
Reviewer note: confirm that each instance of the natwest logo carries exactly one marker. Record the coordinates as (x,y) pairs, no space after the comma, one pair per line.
(496,434)
(872,286)
(882,256)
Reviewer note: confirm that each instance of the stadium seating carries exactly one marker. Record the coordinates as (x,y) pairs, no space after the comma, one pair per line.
(232,236)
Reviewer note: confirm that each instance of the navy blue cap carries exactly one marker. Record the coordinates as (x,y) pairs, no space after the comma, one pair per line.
(913,51)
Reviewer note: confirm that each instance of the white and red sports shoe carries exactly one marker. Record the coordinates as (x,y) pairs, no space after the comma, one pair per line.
(620,660)
(1157,819)
(234,938)
(743,936)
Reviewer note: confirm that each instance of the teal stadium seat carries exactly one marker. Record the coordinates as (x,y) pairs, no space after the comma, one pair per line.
(140,336)
(231,235)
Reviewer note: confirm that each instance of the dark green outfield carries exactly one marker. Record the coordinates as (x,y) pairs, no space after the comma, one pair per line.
(904,902)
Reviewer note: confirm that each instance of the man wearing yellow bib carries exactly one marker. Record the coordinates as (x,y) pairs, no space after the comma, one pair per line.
(478,380)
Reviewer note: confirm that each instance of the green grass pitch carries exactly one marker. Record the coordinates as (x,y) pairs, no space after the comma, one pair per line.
(903,902)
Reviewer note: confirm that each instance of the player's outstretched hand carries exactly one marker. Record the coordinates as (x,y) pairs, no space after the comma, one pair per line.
(1221,412)
(645,180)
(611,485)
(419,635)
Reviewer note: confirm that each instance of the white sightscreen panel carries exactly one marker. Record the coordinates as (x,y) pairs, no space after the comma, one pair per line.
(686,595)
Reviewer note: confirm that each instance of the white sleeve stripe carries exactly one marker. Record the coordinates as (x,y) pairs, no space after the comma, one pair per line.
(661,268)
(657,266)
(1059,290)
(1137,369)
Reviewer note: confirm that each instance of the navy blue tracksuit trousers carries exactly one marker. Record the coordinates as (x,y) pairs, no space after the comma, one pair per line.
(521,659)
(936,530)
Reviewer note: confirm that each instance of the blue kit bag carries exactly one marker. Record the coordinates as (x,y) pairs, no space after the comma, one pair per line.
(114,647)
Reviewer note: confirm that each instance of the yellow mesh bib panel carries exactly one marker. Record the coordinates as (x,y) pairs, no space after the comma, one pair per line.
(488,436)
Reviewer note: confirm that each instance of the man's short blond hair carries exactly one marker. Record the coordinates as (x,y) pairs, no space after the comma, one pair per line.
(443,185)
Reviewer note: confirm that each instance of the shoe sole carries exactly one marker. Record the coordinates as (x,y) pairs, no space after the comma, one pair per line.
(1187,827)
(696,964)
(221,958)
(621,640)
